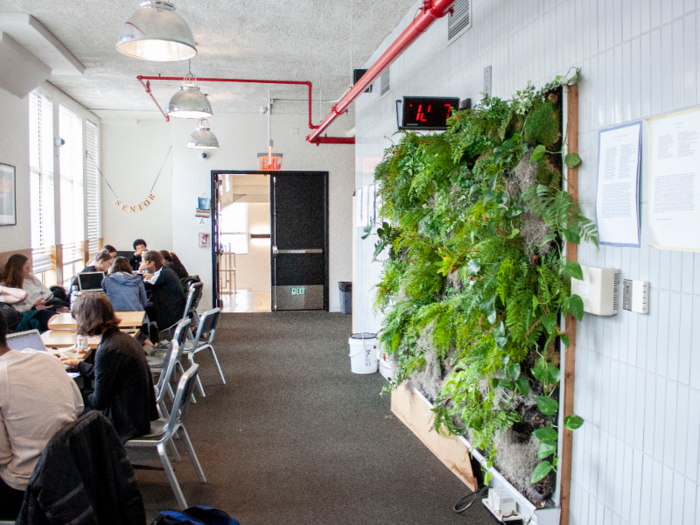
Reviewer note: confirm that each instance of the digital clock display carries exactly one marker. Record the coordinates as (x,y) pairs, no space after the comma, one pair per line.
(427,112)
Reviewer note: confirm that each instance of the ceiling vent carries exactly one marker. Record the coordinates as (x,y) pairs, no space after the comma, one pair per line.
(385,82)
(460,20)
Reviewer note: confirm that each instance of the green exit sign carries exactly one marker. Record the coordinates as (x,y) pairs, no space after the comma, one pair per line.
(298,291)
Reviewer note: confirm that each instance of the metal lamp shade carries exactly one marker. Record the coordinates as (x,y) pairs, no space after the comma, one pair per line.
(189,102)
(203,138)
(155,32)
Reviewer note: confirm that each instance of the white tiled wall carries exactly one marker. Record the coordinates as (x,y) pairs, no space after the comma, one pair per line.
(637,376)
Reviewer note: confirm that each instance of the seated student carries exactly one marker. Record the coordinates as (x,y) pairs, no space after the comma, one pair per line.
(102,263)
(125,290)
(8,297)
(37,398)
(167,295)
(174,263)
(39,306)
(136,259)
(123,387)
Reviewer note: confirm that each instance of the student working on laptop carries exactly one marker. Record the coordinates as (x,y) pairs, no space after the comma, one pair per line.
(37,398)
(102,263)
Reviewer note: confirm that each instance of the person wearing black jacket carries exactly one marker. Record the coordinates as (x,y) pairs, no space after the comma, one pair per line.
(123,387)
(173,262)
(140,248)
(167,295)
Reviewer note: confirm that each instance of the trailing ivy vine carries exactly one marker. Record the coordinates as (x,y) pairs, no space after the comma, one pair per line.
(474,223)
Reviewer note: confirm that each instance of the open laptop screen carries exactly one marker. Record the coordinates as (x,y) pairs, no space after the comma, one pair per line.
(90,281)
(28,339)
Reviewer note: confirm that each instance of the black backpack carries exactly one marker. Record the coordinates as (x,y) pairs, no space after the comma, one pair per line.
(194,516)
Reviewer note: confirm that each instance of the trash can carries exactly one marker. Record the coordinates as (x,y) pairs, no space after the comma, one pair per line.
(345,297)
(363,353)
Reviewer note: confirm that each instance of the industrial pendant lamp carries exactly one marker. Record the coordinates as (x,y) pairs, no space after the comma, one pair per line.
(156,32)
(203,138)
(189,102)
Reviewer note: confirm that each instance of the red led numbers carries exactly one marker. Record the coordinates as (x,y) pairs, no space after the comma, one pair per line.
(418,112)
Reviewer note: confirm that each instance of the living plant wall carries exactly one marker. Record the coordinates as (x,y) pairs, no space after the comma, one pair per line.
(476,281)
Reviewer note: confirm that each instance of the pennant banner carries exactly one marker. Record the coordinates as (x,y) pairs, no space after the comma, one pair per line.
(137,207)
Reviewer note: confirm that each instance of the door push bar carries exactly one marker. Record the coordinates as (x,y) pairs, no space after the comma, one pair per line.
(275,251)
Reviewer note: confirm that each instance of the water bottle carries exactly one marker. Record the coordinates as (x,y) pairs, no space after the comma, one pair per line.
(82,344)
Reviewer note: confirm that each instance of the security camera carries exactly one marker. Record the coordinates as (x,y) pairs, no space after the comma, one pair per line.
(204,155)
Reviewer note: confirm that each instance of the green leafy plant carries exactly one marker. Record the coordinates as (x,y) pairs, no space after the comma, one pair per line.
(474,225)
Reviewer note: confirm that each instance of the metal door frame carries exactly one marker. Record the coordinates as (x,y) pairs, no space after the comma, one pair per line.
(215,252)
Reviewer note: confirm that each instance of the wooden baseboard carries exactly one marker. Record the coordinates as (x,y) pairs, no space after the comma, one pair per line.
(416,415)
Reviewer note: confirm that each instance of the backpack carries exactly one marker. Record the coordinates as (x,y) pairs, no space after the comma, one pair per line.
(194,516)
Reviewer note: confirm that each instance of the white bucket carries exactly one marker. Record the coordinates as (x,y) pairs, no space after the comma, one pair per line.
(363,353)
(386,365)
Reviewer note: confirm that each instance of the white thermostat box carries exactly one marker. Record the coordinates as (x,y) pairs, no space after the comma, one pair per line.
(600,290)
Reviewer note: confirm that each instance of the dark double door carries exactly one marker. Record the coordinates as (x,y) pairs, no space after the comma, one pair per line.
(299,239)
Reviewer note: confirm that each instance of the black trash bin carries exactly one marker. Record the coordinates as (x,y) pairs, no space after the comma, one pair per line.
(345,296)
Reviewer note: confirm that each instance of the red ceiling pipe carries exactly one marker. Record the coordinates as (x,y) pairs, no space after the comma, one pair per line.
(308,84)
(431,10)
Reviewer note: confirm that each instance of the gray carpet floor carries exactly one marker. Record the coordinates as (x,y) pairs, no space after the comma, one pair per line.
(295,438)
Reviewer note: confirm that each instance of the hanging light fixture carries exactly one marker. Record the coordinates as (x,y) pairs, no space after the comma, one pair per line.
(203,138)
(156,32)
(189,102)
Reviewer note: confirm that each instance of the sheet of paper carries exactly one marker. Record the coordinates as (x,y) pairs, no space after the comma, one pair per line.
(617,199)
(674,191)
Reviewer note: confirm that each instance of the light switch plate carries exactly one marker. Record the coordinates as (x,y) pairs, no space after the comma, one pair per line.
(635,296)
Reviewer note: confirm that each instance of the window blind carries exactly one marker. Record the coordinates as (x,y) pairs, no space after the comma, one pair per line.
(70,129)
(92,186)
(41,202)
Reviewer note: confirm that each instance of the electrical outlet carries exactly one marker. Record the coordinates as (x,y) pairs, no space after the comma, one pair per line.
(635,296)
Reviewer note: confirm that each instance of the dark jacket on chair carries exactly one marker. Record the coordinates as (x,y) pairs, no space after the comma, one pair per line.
(168,298)
(123,384)
(84,478)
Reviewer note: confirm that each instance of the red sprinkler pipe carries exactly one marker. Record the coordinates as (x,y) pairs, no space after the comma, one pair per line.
(431,10)
(308,84)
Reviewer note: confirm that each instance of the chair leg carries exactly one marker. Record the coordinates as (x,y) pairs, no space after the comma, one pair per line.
(173,450)
(199,381)
(179,496)
(193,455)
(216,360)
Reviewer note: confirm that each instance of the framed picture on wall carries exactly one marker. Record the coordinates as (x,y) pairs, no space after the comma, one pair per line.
(8,209)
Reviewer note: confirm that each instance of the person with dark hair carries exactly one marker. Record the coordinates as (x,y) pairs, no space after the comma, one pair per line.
(102,263)
(39,305)
(125,290)
(167,295)
(173,262)
(111,249)
(140,248)
(123,387)
(37,398)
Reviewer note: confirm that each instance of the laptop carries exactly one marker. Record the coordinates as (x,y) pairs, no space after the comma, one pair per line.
(29,339)
(91,282)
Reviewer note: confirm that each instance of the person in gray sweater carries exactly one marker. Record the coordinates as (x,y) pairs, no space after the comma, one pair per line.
(125,290)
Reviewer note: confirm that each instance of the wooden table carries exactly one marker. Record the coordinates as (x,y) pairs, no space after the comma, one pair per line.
(67,339)
(66,321)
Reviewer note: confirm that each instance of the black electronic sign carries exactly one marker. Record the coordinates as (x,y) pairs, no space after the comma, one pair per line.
(427,112)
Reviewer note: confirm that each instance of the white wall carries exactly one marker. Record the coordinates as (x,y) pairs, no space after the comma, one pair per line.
(636,457)
(132,153)
(14,150)
(253,268)
(241,136)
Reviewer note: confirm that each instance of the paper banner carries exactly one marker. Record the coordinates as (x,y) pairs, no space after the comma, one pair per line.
(136,207)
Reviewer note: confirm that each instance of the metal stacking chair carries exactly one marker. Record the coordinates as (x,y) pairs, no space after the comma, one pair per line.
(163,429)
(177,346)
(207,325)
(157,364)
(194,296)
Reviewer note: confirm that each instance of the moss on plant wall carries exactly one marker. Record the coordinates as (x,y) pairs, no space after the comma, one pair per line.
(476,282)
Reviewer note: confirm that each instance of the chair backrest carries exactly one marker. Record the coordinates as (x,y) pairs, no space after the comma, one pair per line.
(183,396)
(208,322)
(176,348)
(194,295)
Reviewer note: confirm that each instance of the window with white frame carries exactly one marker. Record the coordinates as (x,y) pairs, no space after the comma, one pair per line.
(70,129)
(92,188)
(41,176)
(234,228)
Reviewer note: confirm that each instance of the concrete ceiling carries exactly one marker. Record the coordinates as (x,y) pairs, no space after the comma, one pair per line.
(314,40)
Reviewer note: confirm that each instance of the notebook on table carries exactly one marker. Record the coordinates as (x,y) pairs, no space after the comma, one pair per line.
(91,282)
